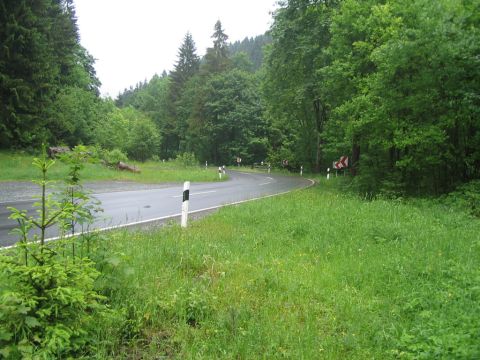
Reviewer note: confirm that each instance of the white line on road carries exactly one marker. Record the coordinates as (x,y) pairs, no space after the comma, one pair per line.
(264,183)
(199,193)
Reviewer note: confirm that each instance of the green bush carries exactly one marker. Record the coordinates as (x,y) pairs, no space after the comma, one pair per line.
(49,308)
(467,197)
(186,159)
(114,156)
(144,140)
(48,311)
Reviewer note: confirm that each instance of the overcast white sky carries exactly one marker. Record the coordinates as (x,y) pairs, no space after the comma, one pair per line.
(134,39)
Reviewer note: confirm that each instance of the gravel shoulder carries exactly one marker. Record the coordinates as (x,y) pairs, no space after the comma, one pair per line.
(26,190)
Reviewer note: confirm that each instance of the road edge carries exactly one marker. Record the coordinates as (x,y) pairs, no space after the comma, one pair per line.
(163,218)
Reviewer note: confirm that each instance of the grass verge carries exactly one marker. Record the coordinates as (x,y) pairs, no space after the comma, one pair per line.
(18,167)
(274,170)
(307,275)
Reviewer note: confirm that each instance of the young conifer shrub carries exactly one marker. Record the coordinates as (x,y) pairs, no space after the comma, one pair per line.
(49,307)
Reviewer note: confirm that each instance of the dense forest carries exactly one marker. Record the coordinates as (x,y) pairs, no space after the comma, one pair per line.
(393,84)
(48,87)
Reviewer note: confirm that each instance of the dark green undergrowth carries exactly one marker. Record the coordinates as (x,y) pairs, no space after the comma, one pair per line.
(312,274)
(465,197)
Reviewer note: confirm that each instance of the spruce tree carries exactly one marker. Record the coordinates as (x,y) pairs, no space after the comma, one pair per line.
(186,66)
(40,56)
(173,130)
(27,71)
(217,57)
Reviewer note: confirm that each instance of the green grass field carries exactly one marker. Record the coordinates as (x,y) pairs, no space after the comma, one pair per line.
(18,167)
(315,274)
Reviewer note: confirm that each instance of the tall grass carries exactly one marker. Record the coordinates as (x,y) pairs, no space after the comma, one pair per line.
(17,167)
(308,275)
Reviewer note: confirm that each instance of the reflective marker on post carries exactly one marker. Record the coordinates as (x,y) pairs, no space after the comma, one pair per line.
(328,173)
(220,172)
(186,198)
(301,170)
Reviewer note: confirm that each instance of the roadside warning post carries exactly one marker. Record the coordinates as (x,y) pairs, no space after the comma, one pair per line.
(328,173)
(206,165)
(301,170)
(220,172)
(186,198)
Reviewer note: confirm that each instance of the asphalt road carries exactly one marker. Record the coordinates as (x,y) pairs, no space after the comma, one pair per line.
(125,208)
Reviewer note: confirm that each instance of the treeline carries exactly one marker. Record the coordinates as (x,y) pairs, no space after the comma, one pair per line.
(48,87)
(208,106)
(253,48)
(393,84)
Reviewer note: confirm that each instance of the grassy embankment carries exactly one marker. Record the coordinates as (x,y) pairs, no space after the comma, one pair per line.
(18,167)
(307,275)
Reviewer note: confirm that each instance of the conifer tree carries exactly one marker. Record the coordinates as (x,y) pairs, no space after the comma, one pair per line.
(173,130)
(186,66)
(40,57)
(217,57)
(27,71)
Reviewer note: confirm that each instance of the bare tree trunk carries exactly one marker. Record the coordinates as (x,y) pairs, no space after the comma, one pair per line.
(320,117)
(355,157)
(319,152)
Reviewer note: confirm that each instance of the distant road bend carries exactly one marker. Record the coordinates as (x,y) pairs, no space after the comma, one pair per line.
(127,208)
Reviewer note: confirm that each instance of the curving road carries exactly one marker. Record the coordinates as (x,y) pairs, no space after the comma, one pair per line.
(126,208)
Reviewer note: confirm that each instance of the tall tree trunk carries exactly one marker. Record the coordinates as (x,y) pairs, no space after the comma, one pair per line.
(355,156)
(393,157)
(319,153)
(320,118)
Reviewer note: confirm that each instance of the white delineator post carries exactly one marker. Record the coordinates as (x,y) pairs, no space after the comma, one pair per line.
(269,168)
(186,199)
(220,172)
(328,173)
(301,170)
(206,165)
